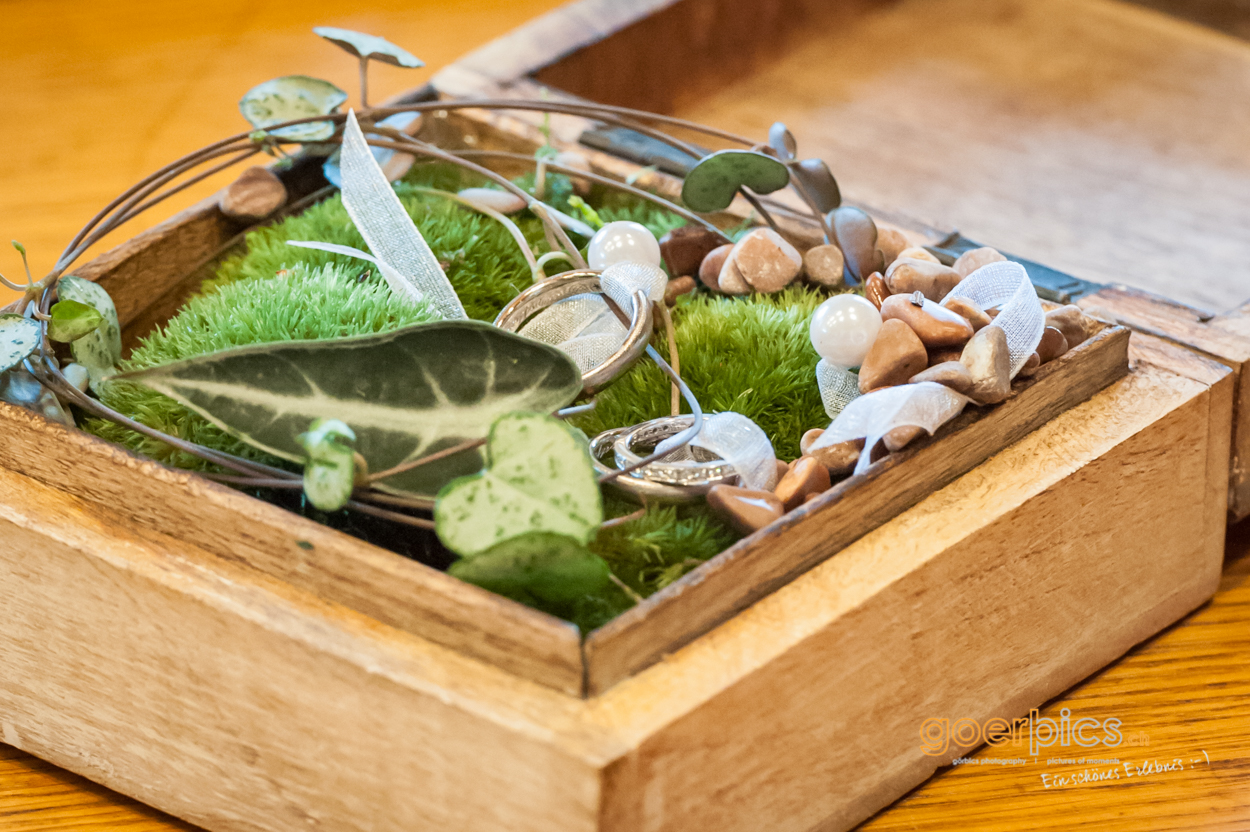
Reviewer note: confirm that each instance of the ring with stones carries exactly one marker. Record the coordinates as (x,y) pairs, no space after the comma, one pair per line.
(698,468)
(644,490)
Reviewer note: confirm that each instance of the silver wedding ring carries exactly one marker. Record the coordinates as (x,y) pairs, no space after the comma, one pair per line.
(666,481)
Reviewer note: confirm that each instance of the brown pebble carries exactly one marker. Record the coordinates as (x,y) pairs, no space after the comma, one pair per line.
(808,475)
(810,497)
(764,260)
(944,356)
(895,356)
(918,253)
(683,249)
(1052,345)
(805,442)
(970,312)
(1069,320)
(951,373)
(745,509)
(839,458)
(709,269)
(875,289)
(970,261)
(992,313)
(935,325)
(1030,366)
(898,438)
(783,468)
(989,362)
(256,194)
(824,265)
(677,287)
(891,244)
(909,275)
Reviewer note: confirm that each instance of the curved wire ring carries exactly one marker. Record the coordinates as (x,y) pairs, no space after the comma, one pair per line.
(547,293)
(680,472)
(637,488)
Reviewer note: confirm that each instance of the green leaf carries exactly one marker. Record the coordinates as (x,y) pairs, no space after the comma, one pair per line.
(857,237)
(711,184)
(19,337)
(539,478)
(369,46)
(100,350)
(72,320)
(550,567)
(291,97)
(330,464)
(406,393)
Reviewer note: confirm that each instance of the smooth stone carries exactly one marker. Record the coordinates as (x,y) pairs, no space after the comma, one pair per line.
(824,265)
(907,275)
(875,289)
(970,261)
(918,253)
(1030,366)
(765,260)
(743,508)
(77,375)
(935,325)
(256,194)
(683,249)
(1052,345)
(1069,320)
(839,459)
(623,241)
(505,202)
(891,244)
(807,475)
(709,269)
(677,287)
(810,497)
(953,374)
(896,355)
(730,280)
(808,439)
(898,438)
(783,468)
(843,329)
(989,362)
(969,311)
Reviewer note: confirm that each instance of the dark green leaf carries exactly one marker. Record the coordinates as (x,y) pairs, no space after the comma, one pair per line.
(291,97)
(406,394)
(72,320)
(551,567)
(857,237)
(711,184)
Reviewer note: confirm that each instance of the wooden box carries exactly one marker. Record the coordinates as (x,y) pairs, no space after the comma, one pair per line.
(245,669)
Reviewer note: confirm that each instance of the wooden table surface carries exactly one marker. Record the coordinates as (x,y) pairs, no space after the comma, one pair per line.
(109,92)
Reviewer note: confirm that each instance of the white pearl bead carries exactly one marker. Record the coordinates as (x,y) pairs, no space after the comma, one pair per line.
(843,328)
(623,242)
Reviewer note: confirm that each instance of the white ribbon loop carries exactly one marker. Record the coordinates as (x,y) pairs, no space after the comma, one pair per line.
(1021,317)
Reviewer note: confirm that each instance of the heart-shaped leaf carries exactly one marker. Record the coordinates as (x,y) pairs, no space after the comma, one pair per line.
(816,180)
(857,237)
(291,97)
(100,350)
(711,184)
(330,466)
(71,320)
(552,568)
(406,394)
(369,46)
(538,478)
(781,140)
(18,338)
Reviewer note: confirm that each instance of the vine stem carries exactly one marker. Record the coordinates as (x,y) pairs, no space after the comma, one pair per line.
(670,333)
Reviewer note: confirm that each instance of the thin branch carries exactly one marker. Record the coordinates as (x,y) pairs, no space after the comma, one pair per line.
(670,334)
(393,516)
(626,588)
(621,521)
(405,467)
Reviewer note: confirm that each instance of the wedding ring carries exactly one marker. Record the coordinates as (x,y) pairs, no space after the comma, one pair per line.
(601,448)
(693,471)
(546,293)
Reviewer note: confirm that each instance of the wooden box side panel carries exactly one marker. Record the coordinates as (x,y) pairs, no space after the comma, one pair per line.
(982,613)
(227,699)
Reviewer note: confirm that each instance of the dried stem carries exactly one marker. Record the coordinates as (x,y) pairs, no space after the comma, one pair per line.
(670,334)
(393,516)
(621,521)
(364,82)
(405,467)
(626,588)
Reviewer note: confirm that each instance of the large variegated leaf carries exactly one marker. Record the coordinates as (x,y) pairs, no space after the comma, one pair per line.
(406,394)
(292,97)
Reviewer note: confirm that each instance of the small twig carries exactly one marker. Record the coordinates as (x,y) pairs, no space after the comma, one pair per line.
(620,521)
(364,81)
(394,516)
(405,467)
(626,588)
(671,334)
(576,410)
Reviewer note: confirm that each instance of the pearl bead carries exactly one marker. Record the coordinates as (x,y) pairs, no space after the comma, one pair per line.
(623,242)
(843,328)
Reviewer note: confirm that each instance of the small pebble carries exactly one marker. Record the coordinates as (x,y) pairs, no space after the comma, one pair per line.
(1069,320)
(895,356)
(876,290)
(808,438)
(989,362)
(743,508)
(709,269)
(896,439)
(824,265)
(951,373)
(783,468)
(77,375)
(684,249)
(807,475)
(1052,345)
(908,275)
(891,244)
(839,459)
(505,202)
(256,194)
(677,287)
(944,356)
(764,260)
(935,325)
(810,497)
(970,261)
(970,312)
(1030,366)
(918,253)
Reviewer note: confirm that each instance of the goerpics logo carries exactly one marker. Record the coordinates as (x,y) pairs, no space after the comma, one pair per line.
(938,734)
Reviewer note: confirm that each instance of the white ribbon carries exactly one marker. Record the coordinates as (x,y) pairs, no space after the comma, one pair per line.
(1006,284)
(740,442)
(838,387)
